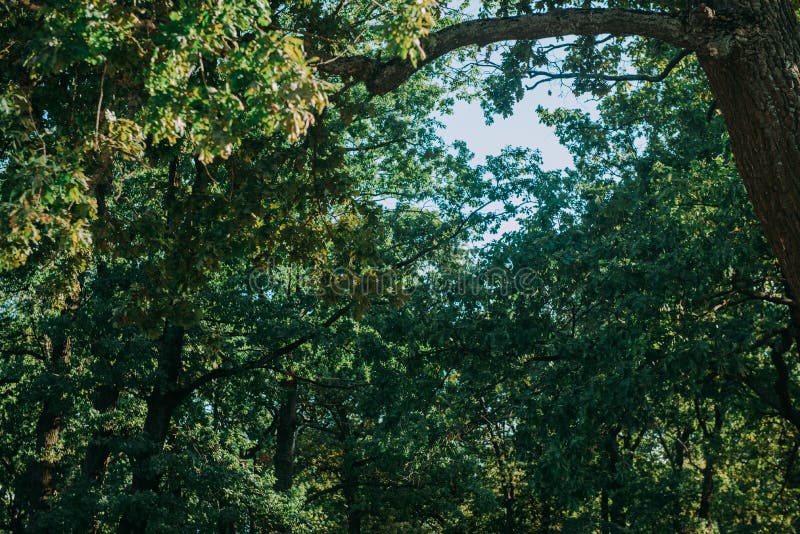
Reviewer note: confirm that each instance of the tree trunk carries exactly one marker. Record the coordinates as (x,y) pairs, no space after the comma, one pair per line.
(707,491)
(612,502)
(546,517)
(354,513)
(508,525)
(36,485)
(709,470)
(756,80)
(98,451)
(106,395)
(161,405)
(48,428)
(350,477)
(285,437)
(678,461)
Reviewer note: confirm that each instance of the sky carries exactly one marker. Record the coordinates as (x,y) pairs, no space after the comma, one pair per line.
(522,128)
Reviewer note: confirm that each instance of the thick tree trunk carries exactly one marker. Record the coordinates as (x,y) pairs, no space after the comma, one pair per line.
(48,428)
(161,405)
(756,80)
(354,513)
(285,437)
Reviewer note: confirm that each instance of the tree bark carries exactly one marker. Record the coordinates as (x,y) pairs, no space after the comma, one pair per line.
(36,485)
(756,81)
(286,433)
(161,404)
(98,452)
(49,426)
(678,461)
(545,517)
(615,515)
(605,520)
(711,451)
(383,77)
(106,394)
(350,489)
(349,474)
(706,491)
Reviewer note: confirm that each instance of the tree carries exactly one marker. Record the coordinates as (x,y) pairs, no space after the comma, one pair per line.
(748,50)
(146,172)
(238,292)
(621,382)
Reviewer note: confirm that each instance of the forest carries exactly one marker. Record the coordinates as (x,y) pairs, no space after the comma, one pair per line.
(246,286)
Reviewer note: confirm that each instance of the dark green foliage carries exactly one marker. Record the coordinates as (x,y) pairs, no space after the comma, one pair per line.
(239,295)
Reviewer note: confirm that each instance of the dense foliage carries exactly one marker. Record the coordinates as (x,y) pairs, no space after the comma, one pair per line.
(243,295)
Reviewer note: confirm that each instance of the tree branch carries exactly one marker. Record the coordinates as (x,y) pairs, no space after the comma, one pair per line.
(780,396)
(440,240)
(766,297)
(261,362)
(783,382)
(366,484)
(382,77)
(651,78)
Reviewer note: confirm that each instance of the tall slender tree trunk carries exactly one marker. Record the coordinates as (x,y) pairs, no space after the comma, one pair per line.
(36,485)
(711,452)
(754,71)
(349,475)
(161,405)
(707,491)
(98,452)
(510,520)
(678,461)
(106,394)
(611,501)
(286,434)
(546,517)
(605,520)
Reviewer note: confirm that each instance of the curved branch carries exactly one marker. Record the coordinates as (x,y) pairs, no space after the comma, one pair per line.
(383,77)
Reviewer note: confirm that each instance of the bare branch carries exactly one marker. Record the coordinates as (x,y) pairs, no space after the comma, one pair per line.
(652,78)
